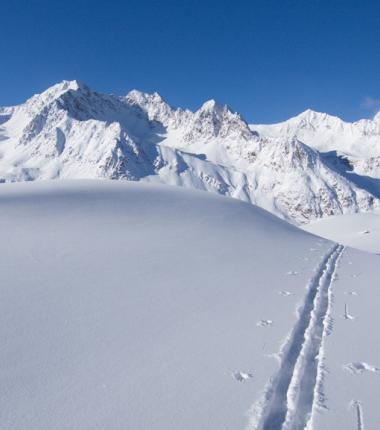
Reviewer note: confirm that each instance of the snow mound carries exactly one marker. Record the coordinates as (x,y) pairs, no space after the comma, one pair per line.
(142,306)
(128,305)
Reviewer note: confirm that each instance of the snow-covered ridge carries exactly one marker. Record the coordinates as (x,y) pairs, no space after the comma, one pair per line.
(70,131)
(326,132)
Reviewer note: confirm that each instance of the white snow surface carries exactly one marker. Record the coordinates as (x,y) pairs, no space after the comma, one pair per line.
(360,231)
(72,132)
(351,385)
(142,306)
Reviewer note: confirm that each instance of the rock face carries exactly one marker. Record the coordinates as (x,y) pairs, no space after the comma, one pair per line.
(70,131)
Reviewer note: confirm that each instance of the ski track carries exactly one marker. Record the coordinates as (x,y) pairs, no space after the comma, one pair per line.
(297,386)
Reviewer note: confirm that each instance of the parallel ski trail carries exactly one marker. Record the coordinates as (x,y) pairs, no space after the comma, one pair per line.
(291,396)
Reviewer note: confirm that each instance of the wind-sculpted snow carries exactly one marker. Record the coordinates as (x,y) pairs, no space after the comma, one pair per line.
(70,131)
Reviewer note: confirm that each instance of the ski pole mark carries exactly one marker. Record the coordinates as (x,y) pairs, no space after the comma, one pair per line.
(359,414)
(291,397)
(347,315)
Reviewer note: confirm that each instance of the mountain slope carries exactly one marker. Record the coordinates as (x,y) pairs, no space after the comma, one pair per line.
(72,132)
(351,148)
(326,133)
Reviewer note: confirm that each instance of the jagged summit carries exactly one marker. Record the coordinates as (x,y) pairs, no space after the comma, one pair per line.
(70,131)
(74,85)
(143,97)
(153,104)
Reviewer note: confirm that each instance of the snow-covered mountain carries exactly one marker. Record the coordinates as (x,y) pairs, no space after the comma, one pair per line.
(354,148)
(70,131)
(326,132)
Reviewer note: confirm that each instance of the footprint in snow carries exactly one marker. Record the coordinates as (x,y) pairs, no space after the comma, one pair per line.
(242,376)
(358,368)
(264,323)
(285,293)
(365,232)
(292,273)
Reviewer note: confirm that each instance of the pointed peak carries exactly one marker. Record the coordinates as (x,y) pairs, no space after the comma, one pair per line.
(71,85)
(312,116)
(310,113)
(64,86)
(53,93)
(135,95)
(57,90)
(212,105)
(376,118)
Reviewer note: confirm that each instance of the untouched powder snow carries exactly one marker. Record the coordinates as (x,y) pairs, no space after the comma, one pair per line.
(138,306)
(360,231)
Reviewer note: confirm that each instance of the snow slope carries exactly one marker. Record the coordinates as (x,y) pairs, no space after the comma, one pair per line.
(131,305)
(72,132)
(360,231)
(351,385)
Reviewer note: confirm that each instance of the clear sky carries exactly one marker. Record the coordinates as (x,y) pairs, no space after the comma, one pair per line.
(268,59)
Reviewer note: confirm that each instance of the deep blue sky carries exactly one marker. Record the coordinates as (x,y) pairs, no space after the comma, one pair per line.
(268,59)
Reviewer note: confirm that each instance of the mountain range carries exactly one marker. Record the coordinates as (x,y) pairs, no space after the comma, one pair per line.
(309,167)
